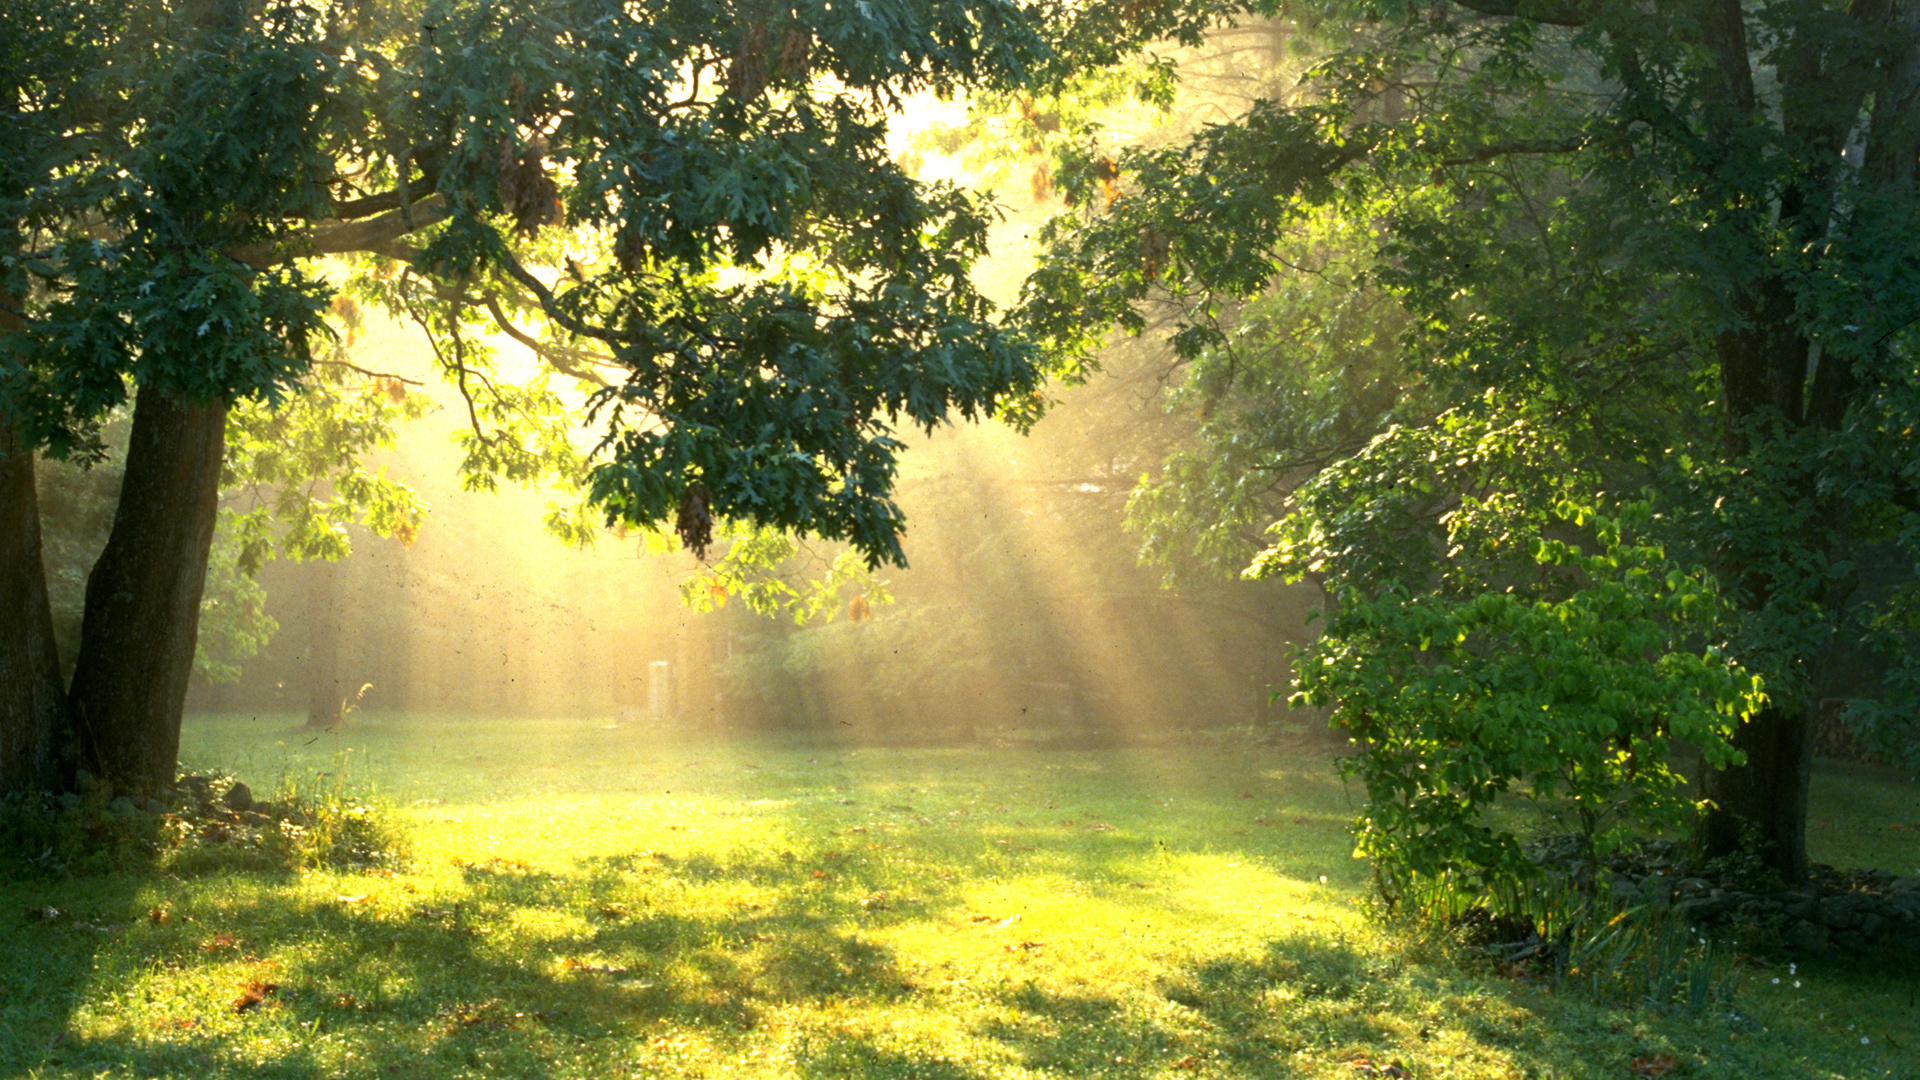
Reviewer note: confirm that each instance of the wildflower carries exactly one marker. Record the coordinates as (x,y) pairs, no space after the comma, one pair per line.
(1776,980)
(1864,1040)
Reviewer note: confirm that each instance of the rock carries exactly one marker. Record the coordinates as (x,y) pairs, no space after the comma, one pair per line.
(1701,909)
(265,808)
(1657,890)
(239,796)
(1801,906)
(124,806)
(1806,937)
(1909,885)
(1840,912)
(153,806)
(1871,924)
(70,802)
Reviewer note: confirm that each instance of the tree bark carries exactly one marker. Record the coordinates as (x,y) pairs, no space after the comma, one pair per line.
(36,741)
(1764,801)
(142,612)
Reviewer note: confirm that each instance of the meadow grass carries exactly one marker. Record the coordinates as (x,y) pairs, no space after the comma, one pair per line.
(596,903)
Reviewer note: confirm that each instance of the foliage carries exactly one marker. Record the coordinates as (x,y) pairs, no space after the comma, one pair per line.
(1667,246)
(773,574)
(690,209)
(1520,642)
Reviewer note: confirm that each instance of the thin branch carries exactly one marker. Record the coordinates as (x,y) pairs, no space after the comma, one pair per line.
(1489,152)
(567,361)
(369,374)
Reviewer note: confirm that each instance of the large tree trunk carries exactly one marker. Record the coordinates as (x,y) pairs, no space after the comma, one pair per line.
(1764,801)
(143,597)
(36,747)
(36,741)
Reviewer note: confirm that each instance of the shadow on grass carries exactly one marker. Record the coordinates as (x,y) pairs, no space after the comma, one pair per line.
(430,989)
(1219,1014)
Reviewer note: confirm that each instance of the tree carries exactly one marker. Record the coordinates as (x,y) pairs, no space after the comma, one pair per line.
(1667,242)
(688,204)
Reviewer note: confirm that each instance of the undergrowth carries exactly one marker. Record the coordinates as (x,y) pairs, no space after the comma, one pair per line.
(198,827)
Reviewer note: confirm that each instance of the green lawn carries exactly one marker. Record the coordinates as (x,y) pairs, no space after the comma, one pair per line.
(583,902)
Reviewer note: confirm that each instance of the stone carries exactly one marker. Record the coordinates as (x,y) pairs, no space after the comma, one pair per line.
(1801,907)
(1909,885)
(1871,924)
(1807,937)
(239,797)
(1840,912)
(1657,890)
(1700,909)
(124,806)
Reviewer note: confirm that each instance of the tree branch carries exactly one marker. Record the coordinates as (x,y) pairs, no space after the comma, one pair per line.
(336,237)
(1552,12)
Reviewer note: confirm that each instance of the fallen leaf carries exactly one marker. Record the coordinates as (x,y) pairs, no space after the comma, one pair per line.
(360,899)
(253,995)
(159,915)
(1188,1062)
(1657,1065)
(219,943)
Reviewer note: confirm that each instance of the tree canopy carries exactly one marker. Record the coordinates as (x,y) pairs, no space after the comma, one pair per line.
(1642,309)
(690,206)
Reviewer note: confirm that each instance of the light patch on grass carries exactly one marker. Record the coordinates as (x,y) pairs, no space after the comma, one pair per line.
(580,903)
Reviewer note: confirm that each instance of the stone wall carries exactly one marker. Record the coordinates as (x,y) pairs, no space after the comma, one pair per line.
(1835,912)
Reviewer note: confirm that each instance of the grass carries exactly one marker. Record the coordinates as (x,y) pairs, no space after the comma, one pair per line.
(591,903)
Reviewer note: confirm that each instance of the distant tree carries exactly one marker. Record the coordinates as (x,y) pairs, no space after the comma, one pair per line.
(1661,251)
(698,195)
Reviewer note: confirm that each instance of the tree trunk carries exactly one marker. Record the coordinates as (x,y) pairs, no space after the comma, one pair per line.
(36,741)
(324,704)
(1766,369)
(1764,802)
(142,613)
